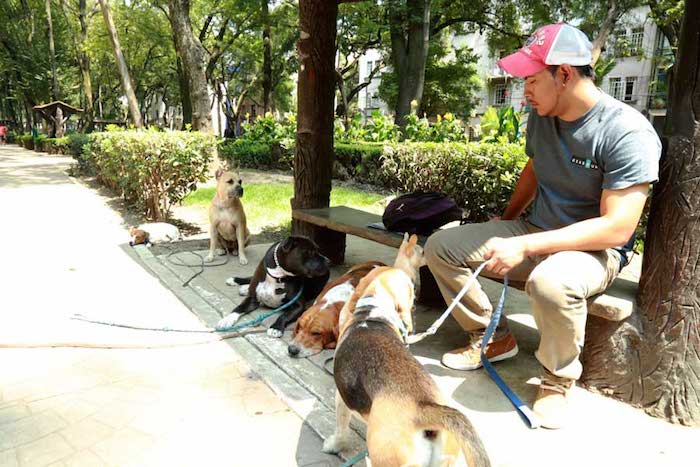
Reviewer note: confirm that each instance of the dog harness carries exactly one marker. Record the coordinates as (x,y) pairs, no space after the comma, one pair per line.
(270,292)
(381,308)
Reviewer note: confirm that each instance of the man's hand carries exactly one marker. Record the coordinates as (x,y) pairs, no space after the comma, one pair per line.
(504,254)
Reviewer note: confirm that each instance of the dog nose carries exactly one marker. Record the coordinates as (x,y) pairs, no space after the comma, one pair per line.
(293,350)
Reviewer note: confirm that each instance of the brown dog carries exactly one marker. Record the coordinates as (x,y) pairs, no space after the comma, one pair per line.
(227,221)
(317,328)
(377,378)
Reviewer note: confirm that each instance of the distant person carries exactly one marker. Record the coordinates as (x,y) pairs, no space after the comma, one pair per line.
(3,134)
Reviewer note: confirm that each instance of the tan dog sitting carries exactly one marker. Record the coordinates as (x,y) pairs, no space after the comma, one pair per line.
(377,378)
(227,221)
(317,328)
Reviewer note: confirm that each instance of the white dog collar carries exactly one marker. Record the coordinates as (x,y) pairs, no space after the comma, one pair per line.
(278,272)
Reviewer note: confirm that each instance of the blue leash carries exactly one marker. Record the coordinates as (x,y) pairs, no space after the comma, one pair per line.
(354,460)
(236,327)
(524,411)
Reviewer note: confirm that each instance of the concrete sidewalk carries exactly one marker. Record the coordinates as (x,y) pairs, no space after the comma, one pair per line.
(62,250)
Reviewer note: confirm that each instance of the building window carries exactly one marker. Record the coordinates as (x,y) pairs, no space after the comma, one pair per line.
(630,84)
(615,88)
(500,93)
(636,40)
(370,67)
(375,101)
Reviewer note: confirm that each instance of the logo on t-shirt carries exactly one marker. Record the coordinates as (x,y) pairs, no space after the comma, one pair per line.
(587,163)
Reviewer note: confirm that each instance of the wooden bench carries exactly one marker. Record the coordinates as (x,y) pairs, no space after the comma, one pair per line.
(616,304)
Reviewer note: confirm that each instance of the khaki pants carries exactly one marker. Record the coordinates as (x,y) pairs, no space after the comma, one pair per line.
(558,286)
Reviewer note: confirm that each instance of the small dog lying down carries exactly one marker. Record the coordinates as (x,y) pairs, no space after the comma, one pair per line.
(377,378)
(317,328)
(153,233)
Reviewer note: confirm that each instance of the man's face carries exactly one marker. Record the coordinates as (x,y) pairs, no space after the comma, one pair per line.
(542,92)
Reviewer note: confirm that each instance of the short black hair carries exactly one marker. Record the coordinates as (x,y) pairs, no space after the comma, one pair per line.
(584,71)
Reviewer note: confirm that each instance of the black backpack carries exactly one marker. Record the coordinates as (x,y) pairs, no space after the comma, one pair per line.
(420,212)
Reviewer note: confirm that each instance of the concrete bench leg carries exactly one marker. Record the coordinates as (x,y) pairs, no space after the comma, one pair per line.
(332,245)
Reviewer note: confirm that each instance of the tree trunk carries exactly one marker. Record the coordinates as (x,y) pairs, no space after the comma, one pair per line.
(84,64)
(194,61)
(604,31)
(267,57)
(655,360)
(183,83)
(127,84)
(313,160)
(410,37)
(52,54)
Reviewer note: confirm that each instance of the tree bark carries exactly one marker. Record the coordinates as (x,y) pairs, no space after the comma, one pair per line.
(313,160)
(52,54)
(410,37)
(194,61)
(185,100)
(127,84)
(267,57)
(604,31)
(84,64)
(655,360)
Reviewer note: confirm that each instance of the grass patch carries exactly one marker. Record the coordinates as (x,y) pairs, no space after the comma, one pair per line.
(267,205)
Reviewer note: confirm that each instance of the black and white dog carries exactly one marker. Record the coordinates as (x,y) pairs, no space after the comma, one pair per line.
(286,267)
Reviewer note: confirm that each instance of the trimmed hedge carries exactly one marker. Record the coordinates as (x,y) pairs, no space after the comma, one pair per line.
(151,169)
(480,177)
(255,154)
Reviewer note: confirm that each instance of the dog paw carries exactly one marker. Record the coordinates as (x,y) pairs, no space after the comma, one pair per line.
(230,281)
(243,260)
(221,252)
(227,322)
(243,290)
(334,444)
(274,333)
(209,258)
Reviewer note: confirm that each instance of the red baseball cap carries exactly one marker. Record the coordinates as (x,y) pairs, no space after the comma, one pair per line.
(554,44)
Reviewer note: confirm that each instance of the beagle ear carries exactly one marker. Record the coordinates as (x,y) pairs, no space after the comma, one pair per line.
(219,172)
(413,240)
(132,230)
(336,331)
(331,345)
(296,328)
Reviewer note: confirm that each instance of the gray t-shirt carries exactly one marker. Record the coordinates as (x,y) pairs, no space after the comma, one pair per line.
(611,147)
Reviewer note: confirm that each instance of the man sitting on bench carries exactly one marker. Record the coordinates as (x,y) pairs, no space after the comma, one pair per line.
(592,159)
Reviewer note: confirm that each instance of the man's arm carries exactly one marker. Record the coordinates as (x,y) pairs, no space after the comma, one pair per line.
(523,195)
(620,213)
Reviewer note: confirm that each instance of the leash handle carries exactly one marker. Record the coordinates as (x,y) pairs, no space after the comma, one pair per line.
(524,411)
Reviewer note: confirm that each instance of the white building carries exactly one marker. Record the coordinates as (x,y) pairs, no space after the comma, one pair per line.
(638,80)
(368,98)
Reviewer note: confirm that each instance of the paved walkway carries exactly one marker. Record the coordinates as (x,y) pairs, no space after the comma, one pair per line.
(62,254)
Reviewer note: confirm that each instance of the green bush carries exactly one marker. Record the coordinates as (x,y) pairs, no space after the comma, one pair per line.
(360,160)
(243,152)
(151,169)
(39,143)
(480,177)
(57,145)
(77,143)
(11,137)
(26,140)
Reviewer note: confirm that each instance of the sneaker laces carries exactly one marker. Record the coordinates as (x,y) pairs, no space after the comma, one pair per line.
(555,383)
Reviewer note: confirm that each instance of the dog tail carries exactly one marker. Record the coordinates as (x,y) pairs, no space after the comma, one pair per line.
(242,280)
(434,416)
